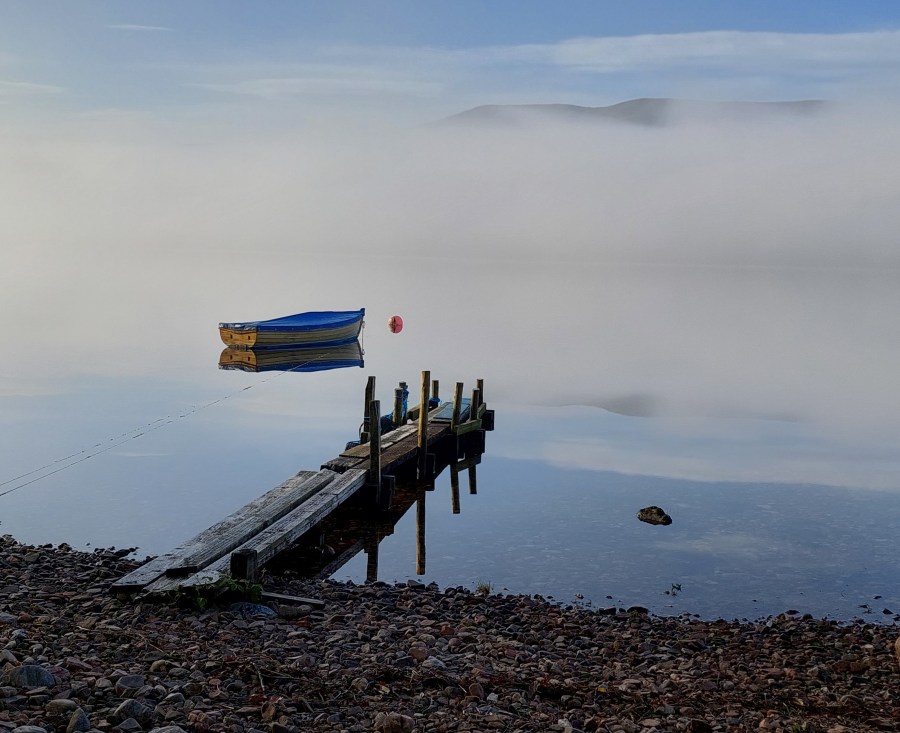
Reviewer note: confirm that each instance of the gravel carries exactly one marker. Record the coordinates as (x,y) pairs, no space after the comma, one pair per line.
(404,658)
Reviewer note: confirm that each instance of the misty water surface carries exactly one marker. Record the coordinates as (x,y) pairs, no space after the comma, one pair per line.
(703,320)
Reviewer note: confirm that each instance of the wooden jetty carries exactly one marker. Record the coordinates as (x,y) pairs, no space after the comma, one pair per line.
(356,527)
(239,545)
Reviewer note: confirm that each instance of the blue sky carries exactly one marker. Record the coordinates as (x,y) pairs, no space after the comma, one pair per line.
(289,63)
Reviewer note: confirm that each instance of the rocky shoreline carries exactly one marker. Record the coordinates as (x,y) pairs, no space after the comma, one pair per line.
(413,658)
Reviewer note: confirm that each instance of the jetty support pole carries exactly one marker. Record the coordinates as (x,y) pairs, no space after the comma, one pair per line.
(370,395)
(434,389)
(375,447)
(479,383)
(454,488)
(476,401)
(423,426)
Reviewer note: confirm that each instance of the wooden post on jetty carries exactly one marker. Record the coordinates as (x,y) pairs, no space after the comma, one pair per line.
(399,415)
(422,442)
(375,447)
(457,406)
(434,389)
(367,425)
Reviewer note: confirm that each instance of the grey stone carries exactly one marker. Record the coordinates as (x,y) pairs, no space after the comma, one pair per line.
(79,722)
(127,685)
(129,725)
(169,729)
(7,618)
(17,702)
(133,709)
(60,707)
(161,666)
(30,675)
(250,610)
(29,729)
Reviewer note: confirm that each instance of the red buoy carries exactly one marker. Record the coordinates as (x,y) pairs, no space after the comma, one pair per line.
(395,323)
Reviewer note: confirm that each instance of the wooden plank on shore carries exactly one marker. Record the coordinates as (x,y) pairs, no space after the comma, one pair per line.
(241,524)
(168,583)
(291,600)
(287,530)
(278,536)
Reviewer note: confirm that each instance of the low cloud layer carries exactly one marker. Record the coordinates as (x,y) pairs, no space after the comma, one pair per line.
(739,268)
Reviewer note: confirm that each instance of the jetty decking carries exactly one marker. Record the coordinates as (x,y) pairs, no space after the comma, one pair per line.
(255,534)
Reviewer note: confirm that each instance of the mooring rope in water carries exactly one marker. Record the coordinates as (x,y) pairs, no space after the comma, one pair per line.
(133,434)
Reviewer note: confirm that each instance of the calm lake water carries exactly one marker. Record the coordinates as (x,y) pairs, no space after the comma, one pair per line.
(754,405)
(700,317)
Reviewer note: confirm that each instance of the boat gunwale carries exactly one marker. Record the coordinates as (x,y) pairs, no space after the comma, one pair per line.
(279,325)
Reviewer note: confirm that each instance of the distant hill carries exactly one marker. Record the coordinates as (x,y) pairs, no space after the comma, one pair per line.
(648,112)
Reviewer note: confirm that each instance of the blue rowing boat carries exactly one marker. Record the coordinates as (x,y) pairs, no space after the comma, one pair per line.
(321,328)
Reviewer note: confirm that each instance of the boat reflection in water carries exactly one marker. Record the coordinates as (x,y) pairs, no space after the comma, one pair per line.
(293,358)
(358,526)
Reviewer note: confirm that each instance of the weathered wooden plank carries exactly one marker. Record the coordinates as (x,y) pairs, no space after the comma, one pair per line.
(444,413)
(283,533)
(167,583)
(401,452)
(394,436)
(341,464)
(467,427)
(231,533)
(292,600)
(150,571)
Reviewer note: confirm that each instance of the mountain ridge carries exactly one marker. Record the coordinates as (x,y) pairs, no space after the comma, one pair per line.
(645,111)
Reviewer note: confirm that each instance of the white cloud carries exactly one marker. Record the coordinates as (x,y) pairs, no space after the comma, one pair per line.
(26,89)
(326,80)
(733,49)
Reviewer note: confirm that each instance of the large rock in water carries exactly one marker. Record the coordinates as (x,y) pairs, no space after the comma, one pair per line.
(654,515)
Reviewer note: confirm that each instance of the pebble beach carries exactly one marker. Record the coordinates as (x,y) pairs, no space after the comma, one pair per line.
(404,658)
